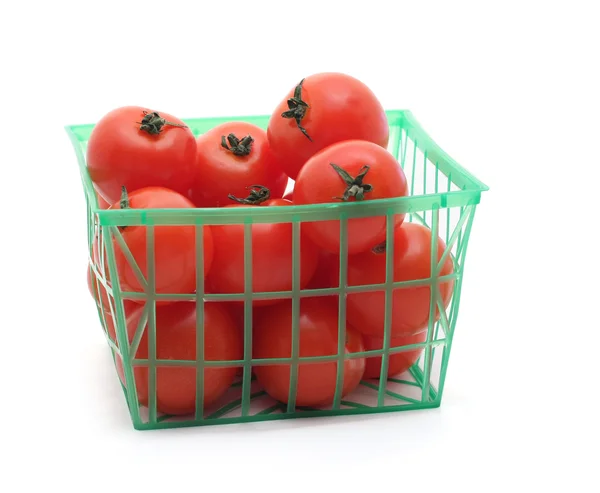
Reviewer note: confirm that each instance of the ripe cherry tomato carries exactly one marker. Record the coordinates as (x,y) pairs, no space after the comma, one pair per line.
(271,257)
(397,362)
(412,261)
(230,158)
(174,246)
(318,329)
(324,277)
(176,339)
(137,148)
(321,110)
(348,171)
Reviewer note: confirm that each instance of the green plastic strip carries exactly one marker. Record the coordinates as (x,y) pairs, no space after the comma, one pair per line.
(199,320)
(151,324)
(291,407)
(433,293)
(247,377)
(389,303)
(341,335)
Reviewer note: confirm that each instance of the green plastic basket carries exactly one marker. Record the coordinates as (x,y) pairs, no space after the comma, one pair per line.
(443,196)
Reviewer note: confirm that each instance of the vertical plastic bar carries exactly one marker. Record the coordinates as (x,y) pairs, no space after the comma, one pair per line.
(414,163)
(433,295)
(400,142)
(389,292)
(90,227)
(151,298)
(454,310)
(448,210)
(425,183)
(461,250)
(247,378)
(337,398)
(291,407)
(121,330)
(395,137)
(199,319)
(404,147)
(101,250)
(463,210)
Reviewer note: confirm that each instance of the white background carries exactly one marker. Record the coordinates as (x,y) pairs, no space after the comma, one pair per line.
(509,89)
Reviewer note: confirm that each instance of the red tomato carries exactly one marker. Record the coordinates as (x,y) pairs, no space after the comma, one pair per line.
(318,329)
(324,109)
(230,158)
(350,170)
(397,362)
(136,148)
(103,204)
(271,257)
(324,276)
(174,246)
(412,261)
(176,339)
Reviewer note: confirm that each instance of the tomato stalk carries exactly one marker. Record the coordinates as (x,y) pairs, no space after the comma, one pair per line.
(355,186)
(258,194)
(297,108)
(124,203)
(153,123)
(379,249)
(237,146)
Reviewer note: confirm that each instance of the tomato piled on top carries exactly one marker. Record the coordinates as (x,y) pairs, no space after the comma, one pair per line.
(325,143)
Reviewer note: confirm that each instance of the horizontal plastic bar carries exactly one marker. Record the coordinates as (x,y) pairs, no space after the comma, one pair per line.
(287,214)
(280,416)
(285,361)
(305,293)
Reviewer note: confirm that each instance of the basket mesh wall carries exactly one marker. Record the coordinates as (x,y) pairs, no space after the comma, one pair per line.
(443,197)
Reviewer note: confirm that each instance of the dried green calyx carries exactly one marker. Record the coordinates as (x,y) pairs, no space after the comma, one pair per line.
(380,248)
(354,186)
(258,194)
(297,108)
(236,146)
(153,123)
(124,202)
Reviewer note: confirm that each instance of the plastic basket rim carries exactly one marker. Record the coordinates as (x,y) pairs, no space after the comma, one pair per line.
(470,194)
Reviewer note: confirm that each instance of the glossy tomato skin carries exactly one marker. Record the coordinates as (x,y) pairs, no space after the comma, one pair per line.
(397,362)
(319,183)
(174,247)
(318,328)
(340,107)
(219,172)
(412,261)
(271,257)
(120,154)
(326,272)
(176,339)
